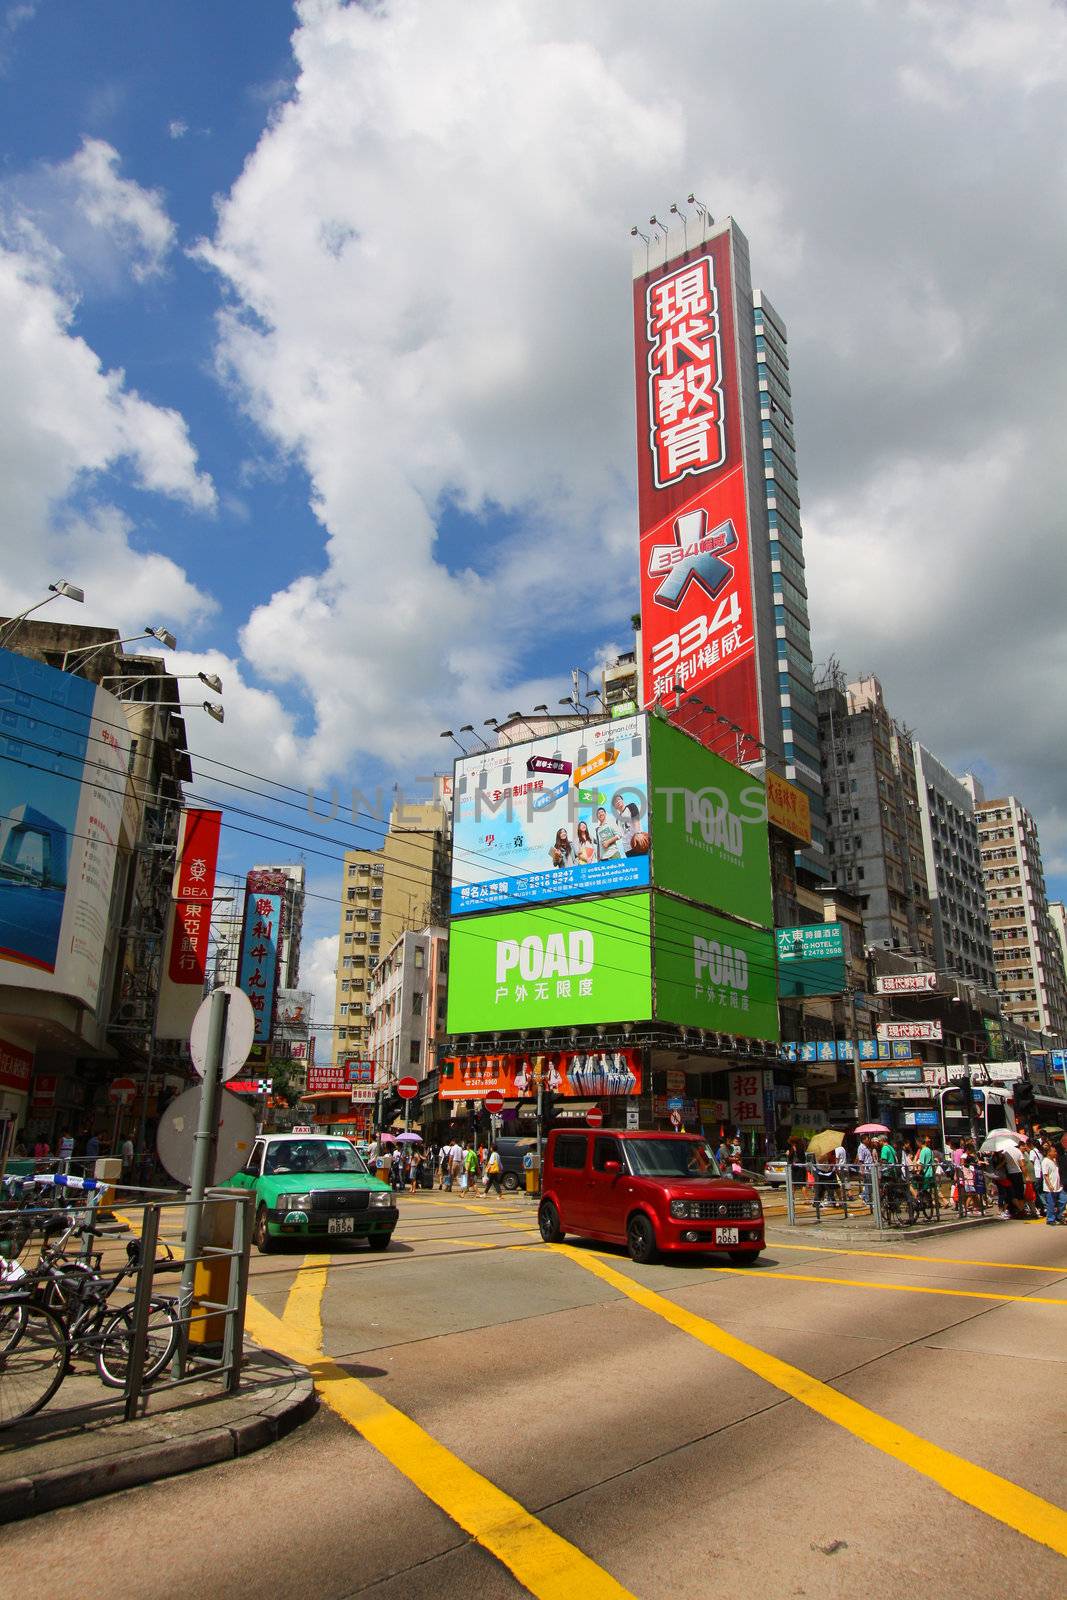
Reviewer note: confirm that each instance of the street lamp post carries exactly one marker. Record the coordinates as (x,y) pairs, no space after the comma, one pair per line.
(162,636)
(61,590)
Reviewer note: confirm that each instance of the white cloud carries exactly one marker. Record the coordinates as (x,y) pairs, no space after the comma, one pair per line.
(318,968)
(427,304)
(102,227)
(177,129)
(65,425)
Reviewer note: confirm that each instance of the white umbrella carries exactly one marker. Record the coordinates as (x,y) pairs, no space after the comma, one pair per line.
(1001,1139)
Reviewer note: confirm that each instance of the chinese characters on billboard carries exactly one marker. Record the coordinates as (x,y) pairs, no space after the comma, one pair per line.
(194,886)
(258,972)
(558,817)
(697,616)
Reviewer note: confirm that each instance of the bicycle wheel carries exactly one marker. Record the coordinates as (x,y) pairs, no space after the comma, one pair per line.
(33,1366)
(116,1342)
(12,1322)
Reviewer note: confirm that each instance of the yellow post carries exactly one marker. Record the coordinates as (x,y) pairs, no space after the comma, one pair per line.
(213,1275)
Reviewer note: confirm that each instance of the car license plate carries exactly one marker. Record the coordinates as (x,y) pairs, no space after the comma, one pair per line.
(725,1235)
(341,1225)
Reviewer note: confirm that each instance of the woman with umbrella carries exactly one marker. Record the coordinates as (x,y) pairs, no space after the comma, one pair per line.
(821,1150)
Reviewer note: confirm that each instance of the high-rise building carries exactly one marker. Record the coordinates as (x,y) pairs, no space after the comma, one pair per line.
(962,942)
(406,1004)
(1026,947)
(875,844)
(725,636)
(1058,912)
(399,887)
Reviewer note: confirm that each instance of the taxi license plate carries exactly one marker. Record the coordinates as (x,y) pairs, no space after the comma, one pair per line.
(339,1225)
(725,1235)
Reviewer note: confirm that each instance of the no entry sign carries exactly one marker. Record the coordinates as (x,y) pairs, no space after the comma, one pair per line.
(121,1091)
(595,1117)
(494,1102)
(407,1088)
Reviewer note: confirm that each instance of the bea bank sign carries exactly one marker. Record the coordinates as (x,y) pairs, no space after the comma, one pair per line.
(549,966)
(709,827)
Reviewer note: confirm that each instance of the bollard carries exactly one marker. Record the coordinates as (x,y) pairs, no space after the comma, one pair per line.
(212,1278)
(790,1196)
(107,1169)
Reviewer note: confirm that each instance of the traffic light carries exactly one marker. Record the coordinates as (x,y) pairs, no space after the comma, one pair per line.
(1025,1101)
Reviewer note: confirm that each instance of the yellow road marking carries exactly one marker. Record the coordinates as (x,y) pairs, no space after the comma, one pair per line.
(894,1255)
(1006,1502)
(546,1564)
(896,1288)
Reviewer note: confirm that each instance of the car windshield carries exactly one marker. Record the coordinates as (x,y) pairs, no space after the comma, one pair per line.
(672,1158)
(312,1155)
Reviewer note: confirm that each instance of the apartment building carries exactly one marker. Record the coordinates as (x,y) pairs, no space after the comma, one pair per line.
(963,945)
(406,1005)
(399,887)
(1026,946)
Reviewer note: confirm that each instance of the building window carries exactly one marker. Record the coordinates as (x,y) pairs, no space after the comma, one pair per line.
(420,959)
(416,1004)
(416,1052)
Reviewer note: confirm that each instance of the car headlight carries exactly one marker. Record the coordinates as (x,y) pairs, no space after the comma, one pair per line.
(294,1202)
(679,1208)
(381,1197)
(753,1209)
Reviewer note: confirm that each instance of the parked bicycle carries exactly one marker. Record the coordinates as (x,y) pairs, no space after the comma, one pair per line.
(61,1310)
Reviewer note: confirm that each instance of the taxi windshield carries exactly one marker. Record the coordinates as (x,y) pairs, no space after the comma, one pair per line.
(314,1155)
(672,1158)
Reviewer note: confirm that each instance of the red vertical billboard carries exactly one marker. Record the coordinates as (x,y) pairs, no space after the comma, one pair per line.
(697,609)
(193,890)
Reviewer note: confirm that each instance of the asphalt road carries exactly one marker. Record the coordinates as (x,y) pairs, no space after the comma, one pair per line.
(502,1418)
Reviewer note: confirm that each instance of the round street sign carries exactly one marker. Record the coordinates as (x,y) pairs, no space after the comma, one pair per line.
(178,1124)
(407,1088)
(240,1032)
(676,1118)
(493,1102)
(595,1117)
(121,1091)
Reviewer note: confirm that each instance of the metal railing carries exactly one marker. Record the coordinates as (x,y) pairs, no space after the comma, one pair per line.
(215,1303)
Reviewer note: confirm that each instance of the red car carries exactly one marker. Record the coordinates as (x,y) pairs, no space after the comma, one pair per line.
(649,1191)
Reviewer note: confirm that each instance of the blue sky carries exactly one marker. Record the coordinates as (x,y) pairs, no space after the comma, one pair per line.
(317,336)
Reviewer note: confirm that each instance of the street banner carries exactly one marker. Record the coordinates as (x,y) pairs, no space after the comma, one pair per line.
(16,1067)
(698,630)
(64,754)
(340,1078)
(709,827)
(292,1015)
(196,855)
(713,973)
(188,923)
(571,1074)
(553,818)
(547,966)
(746,1098)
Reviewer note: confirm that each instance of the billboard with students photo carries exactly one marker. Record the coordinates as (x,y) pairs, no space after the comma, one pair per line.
(554,818)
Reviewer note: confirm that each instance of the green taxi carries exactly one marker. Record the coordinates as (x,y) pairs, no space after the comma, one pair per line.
(311,1186)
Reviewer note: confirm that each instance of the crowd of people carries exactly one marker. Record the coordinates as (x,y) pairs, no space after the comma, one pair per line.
(451,1166)
(1028,1176)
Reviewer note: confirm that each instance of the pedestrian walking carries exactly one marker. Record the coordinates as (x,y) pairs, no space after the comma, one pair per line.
(864,1159)
(470,1167)
(494,1173)
(1052,1185)
(92,1146)
(126,1154)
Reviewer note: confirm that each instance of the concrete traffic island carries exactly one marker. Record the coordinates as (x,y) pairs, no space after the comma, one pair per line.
(80,1447)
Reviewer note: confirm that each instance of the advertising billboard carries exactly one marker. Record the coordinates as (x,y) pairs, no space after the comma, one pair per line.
(713,973)
(697,613)
(709,827)
(788,808)
(292,1015)
(811,959)
(257,972)
(64,751)
(573,1074)
(557,817)
(551,966)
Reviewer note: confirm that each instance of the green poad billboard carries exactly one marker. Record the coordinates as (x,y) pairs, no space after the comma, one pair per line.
(551,965)
(713,973)
(708,826)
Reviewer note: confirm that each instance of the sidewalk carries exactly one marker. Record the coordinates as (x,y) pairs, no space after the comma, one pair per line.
(79,1446)
(855,1229)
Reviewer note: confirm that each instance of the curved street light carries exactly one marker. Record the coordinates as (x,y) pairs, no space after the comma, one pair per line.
(162,636)
(60,590)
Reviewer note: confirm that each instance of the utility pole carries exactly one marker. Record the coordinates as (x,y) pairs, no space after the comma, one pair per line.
(204,1142)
